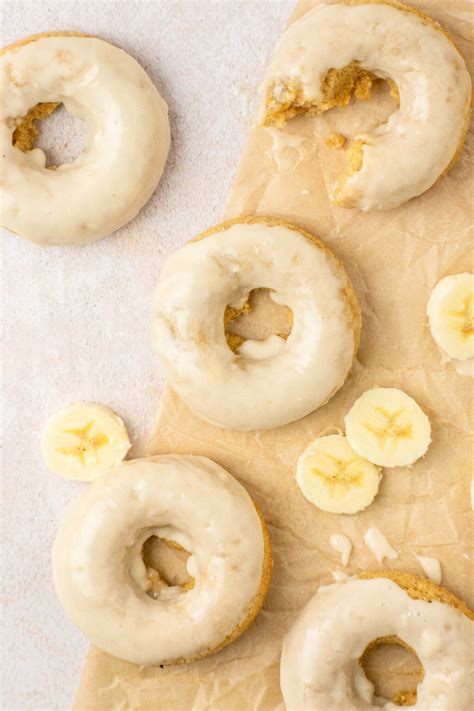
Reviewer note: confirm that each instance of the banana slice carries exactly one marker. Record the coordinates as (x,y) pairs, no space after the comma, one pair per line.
(387,427)
(334,478)
(451,315)
(83,441)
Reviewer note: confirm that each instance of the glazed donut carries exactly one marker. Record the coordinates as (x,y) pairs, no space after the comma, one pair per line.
(337,49)
(320,666)
(101,579)
(266,383)
(125,148)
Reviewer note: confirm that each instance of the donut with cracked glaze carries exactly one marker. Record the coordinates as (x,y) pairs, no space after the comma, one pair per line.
(266,383)
(125,148)
(336,49)
(102,581)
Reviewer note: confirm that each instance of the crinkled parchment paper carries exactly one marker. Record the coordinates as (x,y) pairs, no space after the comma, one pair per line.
(394,259)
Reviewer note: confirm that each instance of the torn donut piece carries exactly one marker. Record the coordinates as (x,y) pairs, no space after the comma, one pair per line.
(335,52)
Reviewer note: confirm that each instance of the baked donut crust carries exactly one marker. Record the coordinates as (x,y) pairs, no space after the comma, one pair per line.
(420,588)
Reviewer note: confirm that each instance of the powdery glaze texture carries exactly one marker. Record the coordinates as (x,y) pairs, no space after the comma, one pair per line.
(394,260)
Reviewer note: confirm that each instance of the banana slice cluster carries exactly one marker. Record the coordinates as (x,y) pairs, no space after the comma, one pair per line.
(384,428)
(451,315)
(84,441)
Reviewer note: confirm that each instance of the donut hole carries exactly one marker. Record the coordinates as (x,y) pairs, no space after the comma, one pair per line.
(259,318)
(394,669)
(286,100)
(165,562)
(51,128)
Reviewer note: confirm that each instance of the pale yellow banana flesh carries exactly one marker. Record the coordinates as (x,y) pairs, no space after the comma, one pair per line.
(83,441)
(451,315)
(334,478)
(387,427)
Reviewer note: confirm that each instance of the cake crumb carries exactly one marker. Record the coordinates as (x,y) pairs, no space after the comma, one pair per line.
(335,140)
(25,135)
(363,87)
(394,90)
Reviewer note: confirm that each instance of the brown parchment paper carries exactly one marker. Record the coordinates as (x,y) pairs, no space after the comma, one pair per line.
(394,259)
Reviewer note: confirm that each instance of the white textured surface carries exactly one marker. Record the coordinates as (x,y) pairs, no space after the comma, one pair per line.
(76,320)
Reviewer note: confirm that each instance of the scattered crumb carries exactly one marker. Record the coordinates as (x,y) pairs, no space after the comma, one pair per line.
(335,140)
(405,698)
(363,87)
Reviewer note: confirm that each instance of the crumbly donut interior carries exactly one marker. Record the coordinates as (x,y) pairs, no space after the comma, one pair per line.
(26,133)
(286,99)
(236,326)
(165,563)
(230,315)
(335,140)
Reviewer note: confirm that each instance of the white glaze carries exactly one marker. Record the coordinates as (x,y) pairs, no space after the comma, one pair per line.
(125,148)
(319,663)
(101,579)
(343,545)
(259,350)
(289,150)
(431,566)
(378,545)
(241,393)
(404,156)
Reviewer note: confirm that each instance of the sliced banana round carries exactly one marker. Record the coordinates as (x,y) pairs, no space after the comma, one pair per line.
(83,441)
(451,315)
(387,427)
(334,478)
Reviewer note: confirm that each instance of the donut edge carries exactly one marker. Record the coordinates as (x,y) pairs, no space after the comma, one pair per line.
(254,608)
(29,40)
(428,20)
(348,290)
(73,33)
(41,35)
(35,114)
(420,588)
